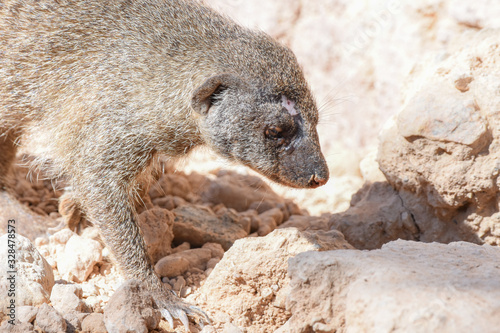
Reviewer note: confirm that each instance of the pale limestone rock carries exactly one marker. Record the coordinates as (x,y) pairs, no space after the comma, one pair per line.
(34,279)
(442,151)
(94,323)
(27,313)
(18,327)
(66,298)
(49,320)
(130,309)
(404,287)
(250,283)
(61,237)
(78,258)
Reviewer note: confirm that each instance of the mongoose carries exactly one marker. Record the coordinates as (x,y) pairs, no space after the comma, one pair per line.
(102,87)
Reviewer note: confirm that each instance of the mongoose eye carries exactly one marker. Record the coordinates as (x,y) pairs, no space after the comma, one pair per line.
(274,132)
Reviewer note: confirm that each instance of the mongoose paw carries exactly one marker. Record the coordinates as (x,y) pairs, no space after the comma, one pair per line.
(172,307)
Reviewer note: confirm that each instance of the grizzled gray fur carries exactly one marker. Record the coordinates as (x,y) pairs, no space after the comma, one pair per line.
(101,87)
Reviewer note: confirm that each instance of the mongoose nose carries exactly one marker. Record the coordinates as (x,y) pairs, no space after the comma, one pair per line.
(317,181)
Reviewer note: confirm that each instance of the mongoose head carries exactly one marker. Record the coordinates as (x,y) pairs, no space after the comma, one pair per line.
(268,127)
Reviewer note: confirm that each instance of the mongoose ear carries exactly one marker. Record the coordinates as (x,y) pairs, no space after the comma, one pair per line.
(205,95)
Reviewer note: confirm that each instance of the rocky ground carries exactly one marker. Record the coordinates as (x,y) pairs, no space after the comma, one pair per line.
(414,250)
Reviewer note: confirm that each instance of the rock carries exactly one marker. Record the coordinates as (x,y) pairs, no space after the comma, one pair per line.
(29,224)
(254,218)
(66,298)
(246,223)
(77,260)
(74,321)
(269,220)
(94,323)
(369,168)
(172,265)
(178,263)
(131,309)
(34,279)
(209,270)
(26,313)
(19,327)
(302,223)
(250,285)
(49,320)
(415,287)
(275,213)
(275,17)
(169,202)
(94,303)
(92,233)
(212,263)
(178,284)
(208,329)
(342,55)
(441,114)
(441,153)
(61,237)
(156,227)
(262,206)
(230,215)
(197,226)
(183,247)
(376,216)
(216,249)
(169,184)
(238,192)
(266,226)
(231,328)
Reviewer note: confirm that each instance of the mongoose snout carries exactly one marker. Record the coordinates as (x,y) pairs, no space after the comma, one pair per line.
(103,87)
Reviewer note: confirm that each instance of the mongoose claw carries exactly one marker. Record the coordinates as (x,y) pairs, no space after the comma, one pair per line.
(177,309)
(202,316)
(168,317)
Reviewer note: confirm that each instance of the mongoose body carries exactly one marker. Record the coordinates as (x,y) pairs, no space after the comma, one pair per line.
(102,87)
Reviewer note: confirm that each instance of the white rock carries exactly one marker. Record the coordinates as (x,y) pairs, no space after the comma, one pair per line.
(26,313)
(66,298)
(244,283)
(61,237)
(77,260)
(411,286)
(441,113)
(48,320)
(34,278)
(442,151)
(131,309)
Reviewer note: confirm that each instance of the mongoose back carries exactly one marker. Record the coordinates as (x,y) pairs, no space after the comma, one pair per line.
(102,87)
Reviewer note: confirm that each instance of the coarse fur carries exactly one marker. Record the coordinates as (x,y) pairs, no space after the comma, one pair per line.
(103,87)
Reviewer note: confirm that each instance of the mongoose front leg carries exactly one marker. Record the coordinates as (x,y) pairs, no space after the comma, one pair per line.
(116,219)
